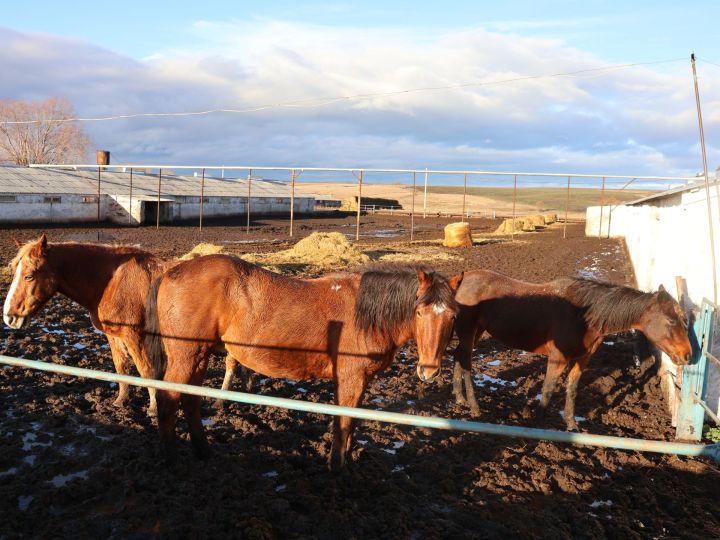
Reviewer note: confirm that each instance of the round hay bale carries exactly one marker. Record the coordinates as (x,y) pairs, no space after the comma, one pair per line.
(457,235)
(537,220)
(550,218)
(509,226)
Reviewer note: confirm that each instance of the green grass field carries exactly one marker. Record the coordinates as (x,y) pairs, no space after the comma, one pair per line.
(547,198)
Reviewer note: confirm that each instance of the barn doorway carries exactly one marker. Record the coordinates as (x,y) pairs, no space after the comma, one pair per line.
(150,210)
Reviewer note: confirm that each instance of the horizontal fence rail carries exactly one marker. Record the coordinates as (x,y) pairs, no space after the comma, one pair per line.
(356,170)
(604,441)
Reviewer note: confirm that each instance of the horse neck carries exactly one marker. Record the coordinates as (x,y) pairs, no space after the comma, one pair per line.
(83,272)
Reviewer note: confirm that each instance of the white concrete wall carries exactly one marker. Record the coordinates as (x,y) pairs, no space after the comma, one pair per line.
(664,243)
(32,208)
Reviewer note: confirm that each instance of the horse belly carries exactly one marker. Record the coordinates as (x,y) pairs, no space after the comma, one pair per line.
(291,363)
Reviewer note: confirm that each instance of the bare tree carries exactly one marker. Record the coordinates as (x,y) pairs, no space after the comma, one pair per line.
(41,132)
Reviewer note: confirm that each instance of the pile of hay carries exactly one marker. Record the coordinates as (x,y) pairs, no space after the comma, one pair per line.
(418,254)
(201,250)
(458,235)
(318,249)
(528,223)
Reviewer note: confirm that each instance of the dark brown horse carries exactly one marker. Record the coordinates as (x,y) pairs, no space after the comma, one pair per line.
(565,320)
(111,282)
(343,327)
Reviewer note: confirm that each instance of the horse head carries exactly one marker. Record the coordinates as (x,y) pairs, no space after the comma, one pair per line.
(666,325)
(33,284)
(435,311)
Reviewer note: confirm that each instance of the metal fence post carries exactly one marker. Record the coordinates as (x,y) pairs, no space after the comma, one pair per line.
(247,230)
(412,210)
(512,229)
(462,219)
(693,390)
(131,185)
(292,200)
(157,224)
(359,203)
(425,195)
(98,197)
(202,197)
(602,202)
(567,206)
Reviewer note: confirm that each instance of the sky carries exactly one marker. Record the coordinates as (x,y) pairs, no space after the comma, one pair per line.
(506,112)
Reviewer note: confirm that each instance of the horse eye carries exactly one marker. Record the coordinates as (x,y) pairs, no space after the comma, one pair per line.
(29,277)
(418,313)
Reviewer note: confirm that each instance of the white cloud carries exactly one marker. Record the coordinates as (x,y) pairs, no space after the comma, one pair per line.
(581,123)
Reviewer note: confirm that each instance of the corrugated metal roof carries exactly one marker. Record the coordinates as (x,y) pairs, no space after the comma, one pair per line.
(16,180)
(700,184)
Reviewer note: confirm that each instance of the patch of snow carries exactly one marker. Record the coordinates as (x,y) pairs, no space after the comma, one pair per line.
(361,441)
(398,468)
(271,474)
(481,380)
(302,390)
(598,504)
(281,487)
(61,479)
(398,444)
(30,460)
(389,451)
(207,422)
(10,471)
(80,346)
(494,363)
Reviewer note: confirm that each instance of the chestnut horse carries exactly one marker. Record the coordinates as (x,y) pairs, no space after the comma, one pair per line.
(345,327)
(111,282)
(565,320)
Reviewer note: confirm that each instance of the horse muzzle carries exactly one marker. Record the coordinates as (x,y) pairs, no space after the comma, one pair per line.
(15,322)
(427,373)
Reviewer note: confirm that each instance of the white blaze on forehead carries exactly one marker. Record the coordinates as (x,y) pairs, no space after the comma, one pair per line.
(336,287)
(438,308)
(13,288)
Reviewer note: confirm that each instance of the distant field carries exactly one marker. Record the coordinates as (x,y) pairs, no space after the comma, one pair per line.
(546,198)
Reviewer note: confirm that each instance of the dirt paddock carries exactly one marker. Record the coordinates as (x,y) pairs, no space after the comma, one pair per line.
(74,466)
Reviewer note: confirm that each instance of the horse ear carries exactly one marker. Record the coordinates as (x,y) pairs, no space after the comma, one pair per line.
(424,279)
(455,281)
(43,241)
(661,288)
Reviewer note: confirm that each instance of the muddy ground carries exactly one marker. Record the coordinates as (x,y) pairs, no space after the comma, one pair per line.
(74,466)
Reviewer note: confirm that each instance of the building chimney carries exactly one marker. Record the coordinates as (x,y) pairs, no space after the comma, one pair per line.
(102,157)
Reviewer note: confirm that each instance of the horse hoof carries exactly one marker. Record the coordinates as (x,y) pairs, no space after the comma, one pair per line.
(460,399)
(152,412)
(572,426)
(335,463)
(120,402)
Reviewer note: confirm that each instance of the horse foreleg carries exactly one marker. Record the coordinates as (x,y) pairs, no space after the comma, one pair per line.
(571,392)
(230,365)
(348,393)
(463,367)
(122,367)
(143,364)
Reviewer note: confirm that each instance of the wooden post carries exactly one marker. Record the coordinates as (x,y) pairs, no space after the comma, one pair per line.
(359,204)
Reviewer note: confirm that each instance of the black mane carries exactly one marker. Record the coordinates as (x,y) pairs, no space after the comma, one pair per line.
(611,308)
(387,296)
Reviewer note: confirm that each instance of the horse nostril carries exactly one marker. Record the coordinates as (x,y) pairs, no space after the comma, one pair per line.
(688,357)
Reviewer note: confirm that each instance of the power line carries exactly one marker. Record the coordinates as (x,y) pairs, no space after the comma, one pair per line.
(320,102)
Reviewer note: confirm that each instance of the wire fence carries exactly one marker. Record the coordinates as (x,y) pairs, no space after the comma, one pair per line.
(157,194)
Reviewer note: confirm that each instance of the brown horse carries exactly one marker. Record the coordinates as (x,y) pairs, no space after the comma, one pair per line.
(565,319)
(345,327)
(111,282)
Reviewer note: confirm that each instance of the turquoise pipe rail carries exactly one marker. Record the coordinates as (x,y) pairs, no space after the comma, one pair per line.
(640,445)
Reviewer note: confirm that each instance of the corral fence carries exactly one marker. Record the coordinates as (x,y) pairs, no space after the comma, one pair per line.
(417,193)
(604,441)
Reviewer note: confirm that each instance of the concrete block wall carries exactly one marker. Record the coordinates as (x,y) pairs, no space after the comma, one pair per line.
(664,243)
(55,208)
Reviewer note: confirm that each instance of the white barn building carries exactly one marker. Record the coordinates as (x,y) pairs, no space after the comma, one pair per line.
(49,195)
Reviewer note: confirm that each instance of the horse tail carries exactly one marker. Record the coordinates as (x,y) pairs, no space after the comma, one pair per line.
(153,338)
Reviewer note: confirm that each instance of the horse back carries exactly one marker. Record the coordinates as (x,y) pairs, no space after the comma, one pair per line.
(528,316)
